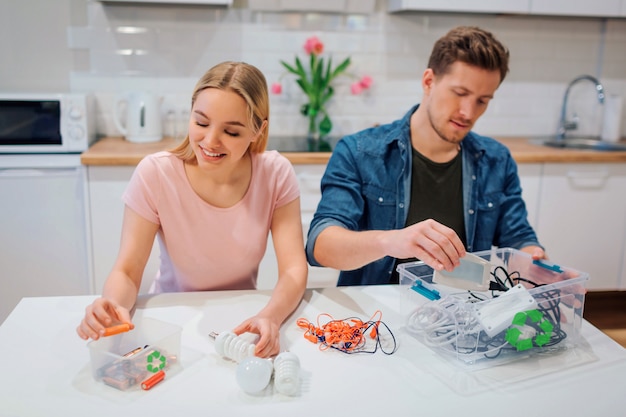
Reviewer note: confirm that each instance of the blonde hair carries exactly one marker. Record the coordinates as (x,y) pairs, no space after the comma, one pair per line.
(249,83)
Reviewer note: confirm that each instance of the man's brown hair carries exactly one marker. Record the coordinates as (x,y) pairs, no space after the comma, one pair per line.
(471,45)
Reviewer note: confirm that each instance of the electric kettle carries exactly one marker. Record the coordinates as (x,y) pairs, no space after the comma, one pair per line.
(143,117)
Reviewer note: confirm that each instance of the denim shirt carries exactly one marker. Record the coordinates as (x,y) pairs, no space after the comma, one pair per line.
(367,184)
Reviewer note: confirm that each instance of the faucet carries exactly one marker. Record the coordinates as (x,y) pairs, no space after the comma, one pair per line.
(564,124)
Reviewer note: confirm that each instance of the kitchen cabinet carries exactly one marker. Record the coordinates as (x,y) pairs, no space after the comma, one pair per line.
(484,6)
(324,6)
(582,8)
(44,238)
(582,220)
(599,8)
(530,178)
(106,186)
(196,2)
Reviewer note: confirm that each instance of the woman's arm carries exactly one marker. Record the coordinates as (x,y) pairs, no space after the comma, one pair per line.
(292,275)
(122,285)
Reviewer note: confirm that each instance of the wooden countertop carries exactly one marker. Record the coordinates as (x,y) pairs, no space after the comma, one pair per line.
(118,151)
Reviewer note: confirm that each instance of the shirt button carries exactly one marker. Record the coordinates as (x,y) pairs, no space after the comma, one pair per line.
(489,205)
(401,205)
(380,199)
(473,177)
(470,211)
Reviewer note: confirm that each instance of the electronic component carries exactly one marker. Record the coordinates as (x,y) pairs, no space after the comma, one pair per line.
(497,314)
(472,274)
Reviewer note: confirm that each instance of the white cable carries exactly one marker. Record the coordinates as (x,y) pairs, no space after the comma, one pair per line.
(440,323)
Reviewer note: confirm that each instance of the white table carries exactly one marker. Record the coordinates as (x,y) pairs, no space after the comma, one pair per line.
(45,367)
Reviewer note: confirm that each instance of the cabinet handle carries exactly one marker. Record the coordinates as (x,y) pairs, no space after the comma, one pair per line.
(588,179)
(35,172)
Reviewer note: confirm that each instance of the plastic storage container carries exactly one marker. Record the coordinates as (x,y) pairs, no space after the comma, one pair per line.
(128,360)
(532,307)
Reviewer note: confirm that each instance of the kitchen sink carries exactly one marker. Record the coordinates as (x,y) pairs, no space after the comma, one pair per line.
(589,143)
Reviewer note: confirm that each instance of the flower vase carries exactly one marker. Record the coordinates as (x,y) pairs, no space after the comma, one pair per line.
(315,141)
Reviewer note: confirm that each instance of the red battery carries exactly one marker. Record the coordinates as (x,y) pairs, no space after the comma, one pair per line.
(153,380)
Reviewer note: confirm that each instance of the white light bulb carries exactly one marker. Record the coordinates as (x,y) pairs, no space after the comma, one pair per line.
(287,373)
(231,346)
(254,374)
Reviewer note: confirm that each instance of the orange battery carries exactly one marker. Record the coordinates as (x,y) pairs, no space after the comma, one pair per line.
(120,328)
(153,380)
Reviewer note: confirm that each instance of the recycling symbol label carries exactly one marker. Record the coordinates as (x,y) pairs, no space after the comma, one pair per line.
(155,362)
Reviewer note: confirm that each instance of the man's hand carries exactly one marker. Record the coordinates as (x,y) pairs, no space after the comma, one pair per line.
(436,245)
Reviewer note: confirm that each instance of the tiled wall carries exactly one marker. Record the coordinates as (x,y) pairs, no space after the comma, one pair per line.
(178,43)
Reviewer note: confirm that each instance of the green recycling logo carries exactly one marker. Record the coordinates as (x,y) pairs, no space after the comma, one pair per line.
(540,323)
(156,362)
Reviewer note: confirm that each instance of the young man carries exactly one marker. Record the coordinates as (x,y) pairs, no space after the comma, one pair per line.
(425,186)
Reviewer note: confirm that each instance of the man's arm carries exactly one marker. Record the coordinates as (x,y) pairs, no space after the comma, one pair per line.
(435,244)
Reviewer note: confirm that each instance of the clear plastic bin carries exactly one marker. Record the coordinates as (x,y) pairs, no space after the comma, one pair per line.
(534,307)
(126,360)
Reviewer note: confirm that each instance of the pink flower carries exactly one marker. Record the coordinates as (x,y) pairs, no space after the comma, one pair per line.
(366,81)
(313,46)
(277,88)
(356,88)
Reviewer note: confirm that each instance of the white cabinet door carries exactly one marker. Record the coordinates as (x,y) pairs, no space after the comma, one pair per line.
(106,185)
(530,177)
(43,233)
(582,219)
(576,7)
(483,6)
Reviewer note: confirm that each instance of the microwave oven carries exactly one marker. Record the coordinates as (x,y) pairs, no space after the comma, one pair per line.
(46,123)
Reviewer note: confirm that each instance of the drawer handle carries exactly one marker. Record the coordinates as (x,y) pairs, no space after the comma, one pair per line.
(589,179)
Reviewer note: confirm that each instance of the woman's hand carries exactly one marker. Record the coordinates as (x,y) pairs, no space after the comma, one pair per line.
(99,315)
(269,332)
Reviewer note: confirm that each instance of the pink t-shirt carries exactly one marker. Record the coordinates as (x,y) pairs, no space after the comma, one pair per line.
(205,247)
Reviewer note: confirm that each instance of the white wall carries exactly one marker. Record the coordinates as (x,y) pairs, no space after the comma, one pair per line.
(75,45)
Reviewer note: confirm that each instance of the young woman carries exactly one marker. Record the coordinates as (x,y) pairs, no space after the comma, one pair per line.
(211,202)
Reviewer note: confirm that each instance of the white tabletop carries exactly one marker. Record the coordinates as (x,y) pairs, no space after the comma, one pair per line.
(45,367)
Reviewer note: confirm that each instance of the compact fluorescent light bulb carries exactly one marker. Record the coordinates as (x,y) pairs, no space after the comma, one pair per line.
(287,373)
(231,346)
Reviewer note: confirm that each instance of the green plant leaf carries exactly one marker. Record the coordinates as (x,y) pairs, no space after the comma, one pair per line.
(327,73)
(290,68)
(341,67)
(327,95)
(302,81)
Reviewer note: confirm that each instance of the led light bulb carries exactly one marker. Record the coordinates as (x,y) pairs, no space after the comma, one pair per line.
(254,374)
(287,373)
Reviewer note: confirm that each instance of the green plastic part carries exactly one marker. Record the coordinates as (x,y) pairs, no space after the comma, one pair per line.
(513,333)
